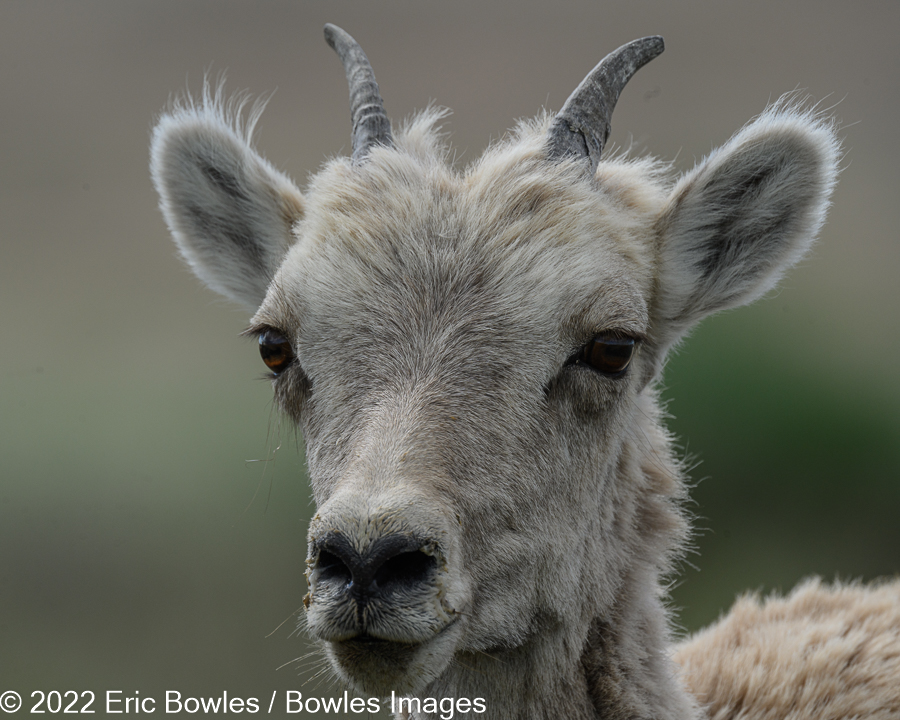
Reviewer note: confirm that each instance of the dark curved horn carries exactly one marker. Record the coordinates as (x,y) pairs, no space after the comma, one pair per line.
(582,126)
(370,123)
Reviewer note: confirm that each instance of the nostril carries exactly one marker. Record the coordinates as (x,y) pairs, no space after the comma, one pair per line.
(332,568)
(404,570)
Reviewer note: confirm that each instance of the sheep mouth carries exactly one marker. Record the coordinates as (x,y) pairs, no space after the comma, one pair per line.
(377,667)
(366,639)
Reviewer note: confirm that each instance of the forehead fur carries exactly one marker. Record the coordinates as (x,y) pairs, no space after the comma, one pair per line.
(539,229)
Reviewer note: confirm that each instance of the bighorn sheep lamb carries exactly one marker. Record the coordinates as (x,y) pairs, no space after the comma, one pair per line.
(472,356)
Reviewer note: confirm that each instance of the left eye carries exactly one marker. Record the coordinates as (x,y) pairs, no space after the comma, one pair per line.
(275,350)
(607,354)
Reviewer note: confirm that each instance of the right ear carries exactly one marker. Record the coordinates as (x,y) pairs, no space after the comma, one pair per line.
(229,211)
(743,216)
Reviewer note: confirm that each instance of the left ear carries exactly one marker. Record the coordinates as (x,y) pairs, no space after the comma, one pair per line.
(743,216)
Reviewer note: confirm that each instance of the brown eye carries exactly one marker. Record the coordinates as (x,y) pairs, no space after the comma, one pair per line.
(607,354)
(275,350)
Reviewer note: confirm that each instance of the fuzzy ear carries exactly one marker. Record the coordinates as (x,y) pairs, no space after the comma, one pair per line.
(743,216)
(229,211)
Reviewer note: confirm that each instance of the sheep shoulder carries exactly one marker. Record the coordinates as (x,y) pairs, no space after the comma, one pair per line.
(825,652)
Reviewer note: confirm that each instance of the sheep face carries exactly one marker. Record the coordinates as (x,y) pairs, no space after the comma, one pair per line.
(441,327)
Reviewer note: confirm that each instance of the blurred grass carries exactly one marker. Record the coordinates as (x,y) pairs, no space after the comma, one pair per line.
(797,465)
(139,550)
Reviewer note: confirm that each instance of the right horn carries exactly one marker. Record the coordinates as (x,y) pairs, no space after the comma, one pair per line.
(371,125)
(581,128)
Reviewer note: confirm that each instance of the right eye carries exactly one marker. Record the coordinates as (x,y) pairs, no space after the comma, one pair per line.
(607,354)
(275,351)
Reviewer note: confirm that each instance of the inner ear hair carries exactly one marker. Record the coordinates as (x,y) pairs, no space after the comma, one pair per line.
(744,215)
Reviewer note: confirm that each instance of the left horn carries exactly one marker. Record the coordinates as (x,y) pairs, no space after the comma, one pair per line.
(582,126)
(370,122)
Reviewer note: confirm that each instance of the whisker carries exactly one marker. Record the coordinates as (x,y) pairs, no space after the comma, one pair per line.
(292,614)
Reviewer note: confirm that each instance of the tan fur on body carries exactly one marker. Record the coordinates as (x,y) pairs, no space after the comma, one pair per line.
(496,516)
(823,653)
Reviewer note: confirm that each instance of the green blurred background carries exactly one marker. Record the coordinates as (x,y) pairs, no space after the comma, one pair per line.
(153,506)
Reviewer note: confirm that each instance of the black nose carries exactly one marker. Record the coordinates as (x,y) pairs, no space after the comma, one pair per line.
(389,565)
